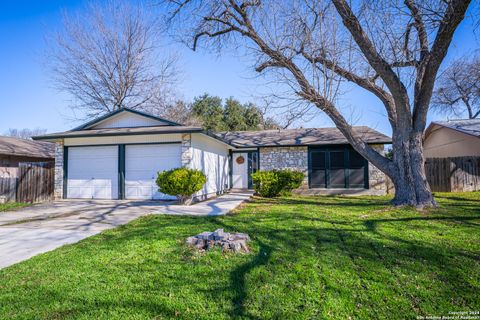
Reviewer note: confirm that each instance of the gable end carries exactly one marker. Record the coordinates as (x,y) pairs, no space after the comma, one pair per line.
(126,118)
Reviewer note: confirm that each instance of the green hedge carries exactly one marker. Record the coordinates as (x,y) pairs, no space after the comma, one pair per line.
(276,182)
(181,182)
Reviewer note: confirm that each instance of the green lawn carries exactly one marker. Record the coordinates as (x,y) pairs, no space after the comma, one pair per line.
(313,258)
(12,206)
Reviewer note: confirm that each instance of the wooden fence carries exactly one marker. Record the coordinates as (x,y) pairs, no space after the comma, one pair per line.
(34,183)
(8,188)
(453,174)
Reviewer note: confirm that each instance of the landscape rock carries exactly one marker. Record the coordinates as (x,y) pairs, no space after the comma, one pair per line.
(191,241)
(205,235)
(241,236)
(234,242)
(219,234)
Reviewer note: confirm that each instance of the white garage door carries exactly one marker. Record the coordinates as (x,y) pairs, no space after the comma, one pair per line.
(93,172)
(142,162)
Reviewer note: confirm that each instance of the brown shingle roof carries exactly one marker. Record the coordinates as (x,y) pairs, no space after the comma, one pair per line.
(23,147)
(294,137)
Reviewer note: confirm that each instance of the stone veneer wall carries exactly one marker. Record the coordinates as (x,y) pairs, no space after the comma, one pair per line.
(377,179)
(58,183)
(296,158)
(186,149)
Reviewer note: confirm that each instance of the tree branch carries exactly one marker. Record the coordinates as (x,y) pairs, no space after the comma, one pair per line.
(396,87)
(428,70)
(210,35)
(420,26)
(367,84)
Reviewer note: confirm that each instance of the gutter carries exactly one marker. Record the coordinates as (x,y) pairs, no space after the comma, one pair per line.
(110,134)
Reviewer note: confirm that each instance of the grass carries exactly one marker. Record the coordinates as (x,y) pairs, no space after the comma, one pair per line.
(313,258)
(12,206)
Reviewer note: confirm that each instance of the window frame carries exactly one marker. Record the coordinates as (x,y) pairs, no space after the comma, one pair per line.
(346,168)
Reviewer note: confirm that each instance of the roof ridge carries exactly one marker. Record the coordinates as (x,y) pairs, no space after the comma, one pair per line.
(290,129)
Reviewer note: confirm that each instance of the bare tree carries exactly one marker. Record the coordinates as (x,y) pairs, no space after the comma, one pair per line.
(458,88)
(392,49)
(25,133)
(108,57)
(181,112)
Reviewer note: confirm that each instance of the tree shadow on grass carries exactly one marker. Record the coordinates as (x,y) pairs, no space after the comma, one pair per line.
(348,245)
(238,279)
(453,197)
(325,201)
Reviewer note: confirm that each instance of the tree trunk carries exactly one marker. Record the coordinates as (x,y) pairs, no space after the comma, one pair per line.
(185,200)
(408,170)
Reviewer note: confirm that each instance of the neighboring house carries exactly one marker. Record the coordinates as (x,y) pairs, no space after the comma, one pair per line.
(454,138)
(118,156)
(14,150)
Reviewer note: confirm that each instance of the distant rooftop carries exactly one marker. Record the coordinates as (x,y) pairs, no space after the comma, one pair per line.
(297,137)
(467,126)
(22,147)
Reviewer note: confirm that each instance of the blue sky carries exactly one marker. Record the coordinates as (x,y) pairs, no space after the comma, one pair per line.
(27,99)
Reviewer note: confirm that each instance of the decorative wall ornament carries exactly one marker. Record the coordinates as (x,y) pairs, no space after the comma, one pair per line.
(240,160)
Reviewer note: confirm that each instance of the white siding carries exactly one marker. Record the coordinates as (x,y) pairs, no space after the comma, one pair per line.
(211,157)
(444,143)
(147,138)
(128,120)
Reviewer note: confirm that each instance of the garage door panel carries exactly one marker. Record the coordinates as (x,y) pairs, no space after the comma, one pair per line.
(142,163)
(80,192)
(93,172)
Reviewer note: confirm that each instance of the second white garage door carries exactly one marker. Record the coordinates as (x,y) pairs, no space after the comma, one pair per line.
(142,162)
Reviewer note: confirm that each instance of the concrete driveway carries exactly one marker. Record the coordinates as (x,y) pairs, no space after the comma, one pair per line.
(40,228)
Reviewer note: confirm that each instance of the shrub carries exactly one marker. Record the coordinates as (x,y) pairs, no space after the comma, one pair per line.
(275,182)
(291,179)
(181,182)
(266,183)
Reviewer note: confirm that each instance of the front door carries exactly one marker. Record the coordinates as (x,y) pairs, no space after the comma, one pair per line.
(243,165)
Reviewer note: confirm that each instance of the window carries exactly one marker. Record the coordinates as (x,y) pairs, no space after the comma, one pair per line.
(337,167)
(318,173)
(356,169)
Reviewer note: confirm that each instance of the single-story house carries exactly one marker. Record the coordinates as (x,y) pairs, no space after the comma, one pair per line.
(14,150)
(453,138)
(118,156)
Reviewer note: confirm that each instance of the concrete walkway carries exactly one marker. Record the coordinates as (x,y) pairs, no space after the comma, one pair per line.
(40,228)
(214,207)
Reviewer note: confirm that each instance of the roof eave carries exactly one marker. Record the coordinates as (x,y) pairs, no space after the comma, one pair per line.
(27,155)
(111,134)
(428,132)
(302,145)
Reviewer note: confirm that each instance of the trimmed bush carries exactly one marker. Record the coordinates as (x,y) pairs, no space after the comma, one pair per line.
(266,183)
(272,183)
(291,179)
(181,182)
